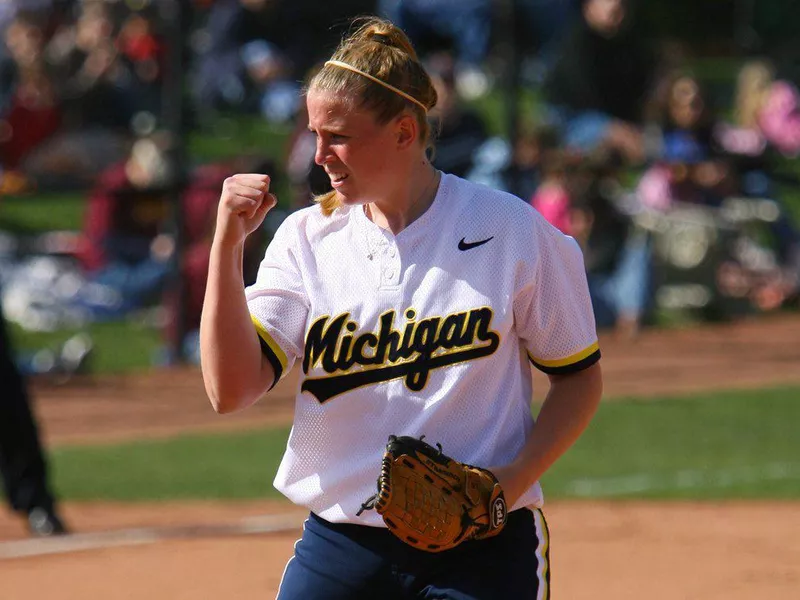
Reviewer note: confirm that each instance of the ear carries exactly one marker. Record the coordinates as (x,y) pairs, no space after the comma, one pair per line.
(406,131)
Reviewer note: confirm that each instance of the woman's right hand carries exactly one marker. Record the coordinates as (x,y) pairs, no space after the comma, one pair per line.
(244,203)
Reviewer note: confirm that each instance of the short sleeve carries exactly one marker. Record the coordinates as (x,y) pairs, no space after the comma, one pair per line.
(278,302)
(552,307)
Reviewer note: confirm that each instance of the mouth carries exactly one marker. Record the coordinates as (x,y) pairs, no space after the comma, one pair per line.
(337,179)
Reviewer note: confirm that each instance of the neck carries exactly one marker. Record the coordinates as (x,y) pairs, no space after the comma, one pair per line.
(408,205)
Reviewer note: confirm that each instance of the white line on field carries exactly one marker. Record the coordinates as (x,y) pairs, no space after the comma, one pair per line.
(684,479)
(146,535)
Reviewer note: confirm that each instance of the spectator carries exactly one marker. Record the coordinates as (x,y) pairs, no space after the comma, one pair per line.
(540,26)
(600,79)
(768,107)
(143,52)
(97,86)
(30,112)
(252,55)
(465,24)
(88,83)
(552,197)
(126,215)
(199,202)
(33,117)
(460,130)
(515,170)
(575,196)
(766,127)
(129,244)
(704,162)
(617,255)
(688,166)
(11,8)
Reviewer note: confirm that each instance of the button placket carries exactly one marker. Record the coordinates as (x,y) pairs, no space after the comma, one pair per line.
(390,266)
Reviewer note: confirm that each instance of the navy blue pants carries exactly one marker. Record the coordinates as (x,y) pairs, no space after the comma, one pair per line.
(334,561)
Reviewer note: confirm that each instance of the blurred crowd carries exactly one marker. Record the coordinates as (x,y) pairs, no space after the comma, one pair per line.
(628,152)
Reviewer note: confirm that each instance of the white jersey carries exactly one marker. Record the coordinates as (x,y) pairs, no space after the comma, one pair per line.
(429,332)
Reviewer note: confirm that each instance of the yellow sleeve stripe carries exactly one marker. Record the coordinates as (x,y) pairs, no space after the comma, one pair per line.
(270,346)
(569,360)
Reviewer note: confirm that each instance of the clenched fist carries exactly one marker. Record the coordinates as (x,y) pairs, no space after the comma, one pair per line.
(244,203)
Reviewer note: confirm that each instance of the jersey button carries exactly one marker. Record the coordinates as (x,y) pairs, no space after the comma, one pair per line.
(389,274)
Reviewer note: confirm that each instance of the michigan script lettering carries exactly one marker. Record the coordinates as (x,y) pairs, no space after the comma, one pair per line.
(412,353)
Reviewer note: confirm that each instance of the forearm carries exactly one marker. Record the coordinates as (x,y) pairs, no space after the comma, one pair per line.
(234,373)
(567,410)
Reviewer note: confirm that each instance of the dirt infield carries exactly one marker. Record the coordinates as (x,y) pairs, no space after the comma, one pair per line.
(625,551)
(621,550)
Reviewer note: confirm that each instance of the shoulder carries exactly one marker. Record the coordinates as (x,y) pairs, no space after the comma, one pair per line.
(479,208)
(468,194)
(310,225)
(483,203)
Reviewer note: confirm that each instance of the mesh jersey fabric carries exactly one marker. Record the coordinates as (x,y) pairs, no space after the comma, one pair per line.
(429,332)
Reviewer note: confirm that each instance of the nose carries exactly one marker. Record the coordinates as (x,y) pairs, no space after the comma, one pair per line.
(322,155)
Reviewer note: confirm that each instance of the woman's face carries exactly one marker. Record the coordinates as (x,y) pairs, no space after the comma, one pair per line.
(685,103)
(604,16)
(358,153)
(24,42)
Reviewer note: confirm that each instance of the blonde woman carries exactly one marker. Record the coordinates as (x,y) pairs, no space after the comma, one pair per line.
(767,124)
(415,303)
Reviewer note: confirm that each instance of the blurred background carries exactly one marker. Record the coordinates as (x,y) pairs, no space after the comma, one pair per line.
(663,136)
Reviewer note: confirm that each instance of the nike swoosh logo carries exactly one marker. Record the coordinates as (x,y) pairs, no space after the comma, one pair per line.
(462,245)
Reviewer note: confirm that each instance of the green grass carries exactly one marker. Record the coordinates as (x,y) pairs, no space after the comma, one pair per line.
(36,213)
(741,444)
(119,346)
(237,135)
(493,108)
(235,466)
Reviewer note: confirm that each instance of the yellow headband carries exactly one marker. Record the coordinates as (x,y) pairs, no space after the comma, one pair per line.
(410,98)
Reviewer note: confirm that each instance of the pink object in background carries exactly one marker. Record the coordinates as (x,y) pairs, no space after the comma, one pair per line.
(654,189)
(552,201)
(779,118)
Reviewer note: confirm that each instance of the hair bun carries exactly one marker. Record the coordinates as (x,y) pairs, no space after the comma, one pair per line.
(375,29)
(381,38)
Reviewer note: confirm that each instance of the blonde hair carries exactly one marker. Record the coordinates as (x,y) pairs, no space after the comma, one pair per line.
(377,49)
(752,86)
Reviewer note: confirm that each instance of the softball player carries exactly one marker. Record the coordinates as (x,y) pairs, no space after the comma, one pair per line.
(415,302)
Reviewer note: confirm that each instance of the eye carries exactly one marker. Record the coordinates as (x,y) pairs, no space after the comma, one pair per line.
(338,137)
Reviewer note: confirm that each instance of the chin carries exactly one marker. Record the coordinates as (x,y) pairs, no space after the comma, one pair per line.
(347,199)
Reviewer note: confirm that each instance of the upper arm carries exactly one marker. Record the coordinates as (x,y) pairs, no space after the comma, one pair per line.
(552,306)
(590,376)
(278,306)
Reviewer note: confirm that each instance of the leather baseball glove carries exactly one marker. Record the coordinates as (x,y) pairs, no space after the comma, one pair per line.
(433,502)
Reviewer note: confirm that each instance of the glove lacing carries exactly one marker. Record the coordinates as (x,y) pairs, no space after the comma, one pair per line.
(369,503)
